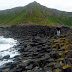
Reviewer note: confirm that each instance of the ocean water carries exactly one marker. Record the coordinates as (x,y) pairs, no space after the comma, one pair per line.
(7,50)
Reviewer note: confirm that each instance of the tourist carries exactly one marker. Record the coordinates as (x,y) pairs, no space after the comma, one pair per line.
(58,28)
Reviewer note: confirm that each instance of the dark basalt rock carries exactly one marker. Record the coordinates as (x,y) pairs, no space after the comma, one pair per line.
(6,57)
(29,67)
(67,70)
(38,47)
(57,65)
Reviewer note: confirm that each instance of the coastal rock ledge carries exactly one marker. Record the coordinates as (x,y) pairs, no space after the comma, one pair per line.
(40,49)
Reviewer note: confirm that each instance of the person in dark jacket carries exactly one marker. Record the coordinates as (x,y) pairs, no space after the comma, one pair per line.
(58,28)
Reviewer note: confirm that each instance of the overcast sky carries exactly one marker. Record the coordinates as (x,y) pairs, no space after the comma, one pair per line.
(63,5)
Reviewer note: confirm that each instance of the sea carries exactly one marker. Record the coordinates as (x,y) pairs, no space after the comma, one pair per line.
(7,50)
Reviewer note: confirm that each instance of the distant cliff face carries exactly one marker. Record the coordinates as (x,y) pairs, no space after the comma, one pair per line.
(34,13)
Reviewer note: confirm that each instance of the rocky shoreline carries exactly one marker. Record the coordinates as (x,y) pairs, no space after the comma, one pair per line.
(40,49)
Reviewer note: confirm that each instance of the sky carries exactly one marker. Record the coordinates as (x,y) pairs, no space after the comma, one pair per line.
(63,5)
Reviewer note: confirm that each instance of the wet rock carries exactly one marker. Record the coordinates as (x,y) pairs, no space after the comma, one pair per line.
(55,56)
(53,52)
(0,70)
(57,70)
(6,57)
(18,70)
(67,69)
(3,66)
(6,70)
(29,70)
(13,65)
(33,45)
(1,57)
(36,69)
(47,69)
(50,64)
(7,64)
(16,56)
(12,70)
(46,57)
(25,63)
(70,59)
(29,66)
(51,59)
(57,65)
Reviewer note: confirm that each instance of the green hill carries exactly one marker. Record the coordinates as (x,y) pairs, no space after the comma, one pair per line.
(34,13)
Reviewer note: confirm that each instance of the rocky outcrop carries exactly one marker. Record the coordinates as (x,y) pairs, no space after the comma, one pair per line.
(40,49)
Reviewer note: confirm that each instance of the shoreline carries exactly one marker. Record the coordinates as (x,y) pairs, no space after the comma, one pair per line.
(37,47)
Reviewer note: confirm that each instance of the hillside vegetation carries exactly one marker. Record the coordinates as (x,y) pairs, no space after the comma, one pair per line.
(34,13)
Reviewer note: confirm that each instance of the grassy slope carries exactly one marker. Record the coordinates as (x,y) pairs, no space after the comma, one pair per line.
(36,14)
